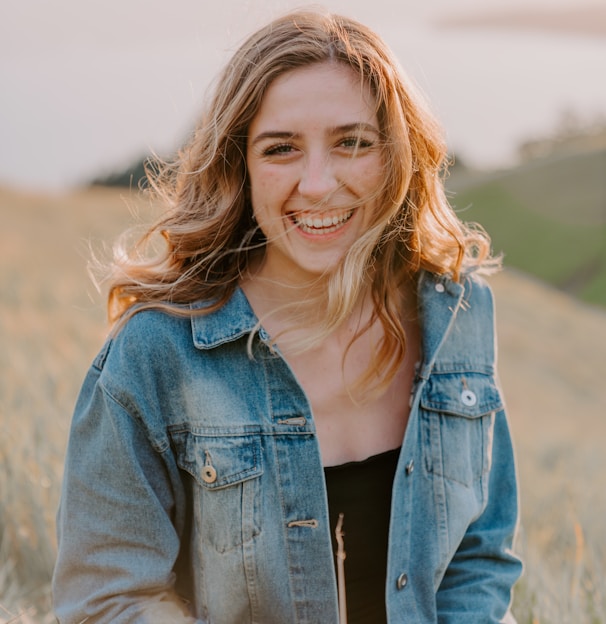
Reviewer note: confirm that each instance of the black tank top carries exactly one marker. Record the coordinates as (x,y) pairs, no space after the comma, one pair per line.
(362,492)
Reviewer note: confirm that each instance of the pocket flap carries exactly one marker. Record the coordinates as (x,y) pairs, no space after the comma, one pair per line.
(221,461)
(470,395)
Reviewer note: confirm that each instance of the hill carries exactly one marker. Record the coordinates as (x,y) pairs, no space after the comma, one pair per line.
(547,216)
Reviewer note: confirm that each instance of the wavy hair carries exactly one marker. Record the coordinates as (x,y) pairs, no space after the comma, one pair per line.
(208,231)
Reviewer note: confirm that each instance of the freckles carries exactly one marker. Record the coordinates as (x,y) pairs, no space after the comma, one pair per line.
(275,178)
(267,180)
(370,176)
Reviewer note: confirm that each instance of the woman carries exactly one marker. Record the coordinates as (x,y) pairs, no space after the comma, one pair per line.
(300,386)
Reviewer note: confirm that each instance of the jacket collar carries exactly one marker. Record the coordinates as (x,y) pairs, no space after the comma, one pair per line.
(230,322)
(439,300)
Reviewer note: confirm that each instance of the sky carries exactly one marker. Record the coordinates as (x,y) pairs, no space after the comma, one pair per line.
(89,86)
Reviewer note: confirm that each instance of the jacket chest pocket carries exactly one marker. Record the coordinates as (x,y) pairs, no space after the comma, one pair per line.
(226,471)
(457,422)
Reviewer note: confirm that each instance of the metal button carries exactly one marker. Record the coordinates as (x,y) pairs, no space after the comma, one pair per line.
(402,581)
(469,398)
(263,334)
(209,474)
(440,287)
(410,466)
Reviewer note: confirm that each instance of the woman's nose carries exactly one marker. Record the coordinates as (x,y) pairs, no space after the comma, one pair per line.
(318,179)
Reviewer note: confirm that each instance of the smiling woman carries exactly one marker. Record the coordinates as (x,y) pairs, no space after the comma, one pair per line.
(315,169)
(306,366)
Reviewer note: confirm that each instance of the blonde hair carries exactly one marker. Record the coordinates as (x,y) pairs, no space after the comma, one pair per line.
(208,230)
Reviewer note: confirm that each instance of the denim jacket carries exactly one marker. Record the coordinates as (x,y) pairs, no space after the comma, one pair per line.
(194,488)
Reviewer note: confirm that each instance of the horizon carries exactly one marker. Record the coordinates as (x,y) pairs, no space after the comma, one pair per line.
(90,89)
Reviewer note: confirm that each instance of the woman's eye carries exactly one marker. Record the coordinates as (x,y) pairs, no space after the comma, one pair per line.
(356,143)
(276,150)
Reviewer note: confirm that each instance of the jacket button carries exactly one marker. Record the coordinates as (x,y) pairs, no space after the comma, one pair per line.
(402,581)
(469,398)
(263,334)
(410,466)
(209,474)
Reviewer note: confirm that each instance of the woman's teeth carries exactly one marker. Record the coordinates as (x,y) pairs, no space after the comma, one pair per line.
(321,225)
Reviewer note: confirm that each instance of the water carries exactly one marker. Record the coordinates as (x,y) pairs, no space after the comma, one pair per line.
(86,88)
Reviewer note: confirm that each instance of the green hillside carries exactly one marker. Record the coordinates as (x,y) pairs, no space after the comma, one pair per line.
(548,218)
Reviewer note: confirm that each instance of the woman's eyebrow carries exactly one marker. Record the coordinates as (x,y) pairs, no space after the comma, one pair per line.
(354,127)
(274,134)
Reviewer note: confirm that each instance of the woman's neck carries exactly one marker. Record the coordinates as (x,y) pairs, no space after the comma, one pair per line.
(291,311)
(282,295)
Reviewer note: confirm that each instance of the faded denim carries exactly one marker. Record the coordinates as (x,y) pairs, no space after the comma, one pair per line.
(194,488)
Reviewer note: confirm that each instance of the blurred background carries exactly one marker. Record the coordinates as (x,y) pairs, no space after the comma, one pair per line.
(88,90)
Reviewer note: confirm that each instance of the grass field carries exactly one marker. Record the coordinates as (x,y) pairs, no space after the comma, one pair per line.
(547,216)
(52,322)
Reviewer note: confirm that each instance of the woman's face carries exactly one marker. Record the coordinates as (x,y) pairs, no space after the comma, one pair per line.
(315,165)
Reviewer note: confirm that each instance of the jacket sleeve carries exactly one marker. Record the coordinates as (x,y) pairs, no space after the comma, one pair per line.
(477,585)
(118,539)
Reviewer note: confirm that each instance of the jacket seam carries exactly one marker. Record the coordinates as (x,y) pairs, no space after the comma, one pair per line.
(161,447)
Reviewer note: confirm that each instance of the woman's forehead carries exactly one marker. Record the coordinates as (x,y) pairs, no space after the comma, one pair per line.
(329,91)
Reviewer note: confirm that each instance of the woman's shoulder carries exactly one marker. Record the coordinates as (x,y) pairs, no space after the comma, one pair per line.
(459,316)
(149,335)
(471,288)
(478,291)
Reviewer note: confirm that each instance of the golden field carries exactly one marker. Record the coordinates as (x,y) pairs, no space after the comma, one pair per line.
(552,363)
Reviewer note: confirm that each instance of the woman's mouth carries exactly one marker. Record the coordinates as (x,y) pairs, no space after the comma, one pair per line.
(321,224)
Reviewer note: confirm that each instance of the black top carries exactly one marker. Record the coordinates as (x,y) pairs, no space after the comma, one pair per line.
(362,492)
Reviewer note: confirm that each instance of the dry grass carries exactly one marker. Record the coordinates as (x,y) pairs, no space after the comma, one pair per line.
(52,323)
(552,361)
(50,327)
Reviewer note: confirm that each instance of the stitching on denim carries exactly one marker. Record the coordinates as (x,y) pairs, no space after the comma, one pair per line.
(160,446)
